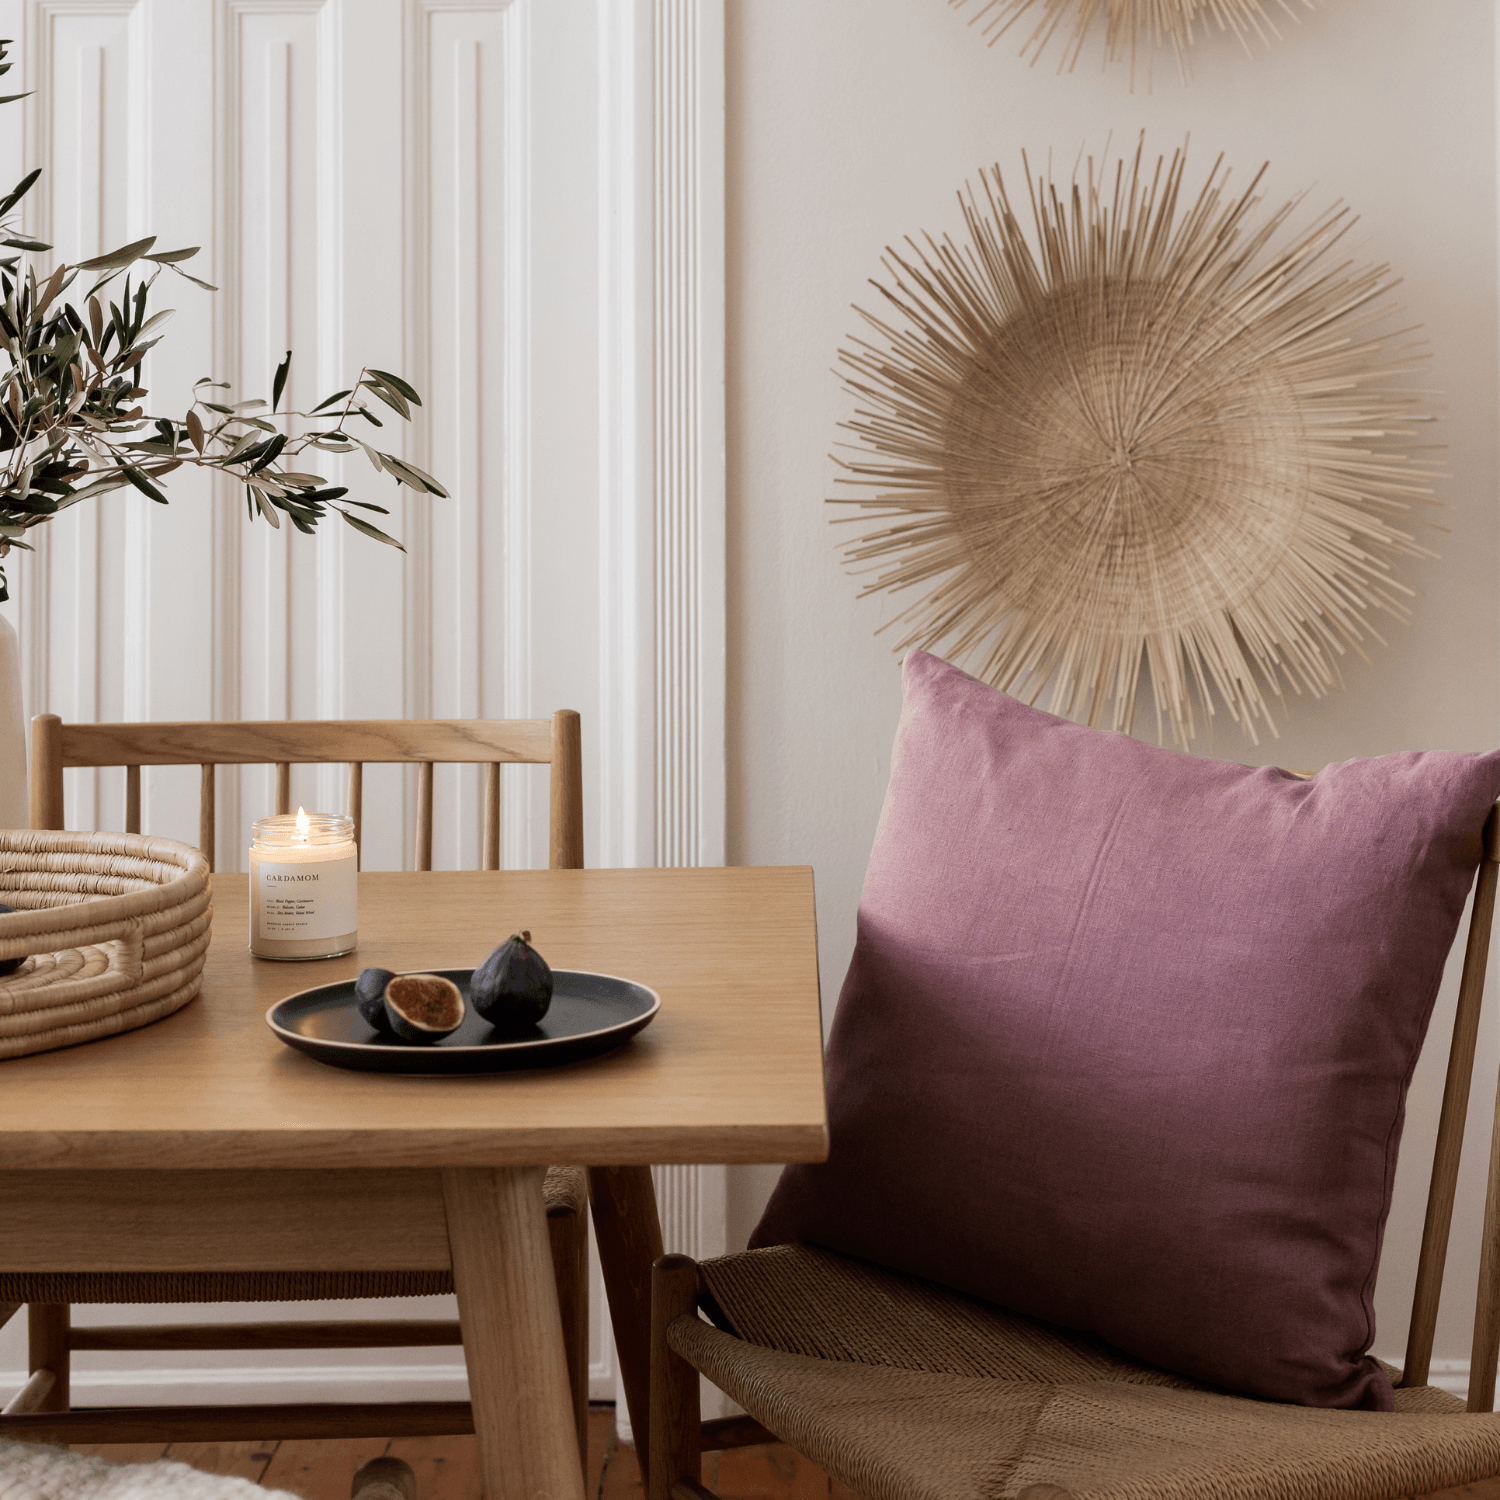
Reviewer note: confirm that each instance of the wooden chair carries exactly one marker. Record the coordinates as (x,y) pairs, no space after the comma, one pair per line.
(359,742)
(899,1388)
(52,1339)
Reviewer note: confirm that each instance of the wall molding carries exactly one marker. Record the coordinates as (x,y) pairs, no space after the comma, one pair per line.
(85,125)
(266,1384)
(662,474)
(1451,1375)
(252,564)
(255,1385)
(475,572)
(688,410)
(626,821)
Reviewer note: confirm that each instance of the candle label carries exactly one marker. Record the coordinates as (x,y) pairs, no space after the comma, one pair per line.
(300,901)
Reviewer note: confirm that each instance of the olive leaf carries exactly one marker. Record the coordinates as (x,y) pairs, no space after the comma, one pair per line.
(278,385)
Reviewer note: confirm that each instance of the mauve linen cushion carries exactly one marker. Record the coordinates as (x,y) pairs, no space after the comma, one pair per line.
(1127,1034)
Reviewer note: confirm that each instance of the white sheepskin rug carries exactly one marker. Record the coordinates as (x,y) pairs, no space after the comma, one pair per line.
(29,1471)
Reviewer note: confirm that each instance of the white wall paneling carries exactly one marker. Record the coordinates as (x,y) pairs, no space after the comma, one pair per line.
(661,483)
(518,205)
(277,117)
(88,60)
(687,205)
(688,262)
(469,227)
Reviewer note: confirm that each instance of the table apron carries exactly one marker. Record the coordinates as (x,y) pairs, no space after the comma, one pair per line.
(223,1221)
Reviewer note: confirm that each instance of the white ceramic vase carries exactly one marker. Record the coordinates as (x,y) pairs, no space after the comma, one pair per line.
(14,810)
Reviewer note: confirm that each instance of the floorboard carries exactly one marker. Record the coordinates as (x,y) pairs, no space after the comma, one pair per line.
(447,1468)
(601,1439)
(764,1472)
(122,1453)
(320,1469)
(244,1460)
(620,1478)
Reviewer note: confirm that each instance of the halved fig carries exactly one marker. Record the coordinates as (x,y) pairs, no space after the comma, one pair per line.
(423,1007)
(369,996)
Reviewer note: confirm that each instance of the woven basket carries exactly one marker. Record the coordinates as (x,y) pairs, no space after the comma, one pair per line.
(114,928)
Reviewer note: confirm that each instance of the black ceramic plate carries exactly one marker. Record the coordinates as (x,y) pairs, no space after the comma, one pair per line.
(589,1014)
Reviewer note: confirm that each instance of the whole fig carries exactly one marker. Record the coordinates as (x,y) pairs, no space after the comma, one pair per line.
(423,1007)
(512,988)
(9,965)
(369,996)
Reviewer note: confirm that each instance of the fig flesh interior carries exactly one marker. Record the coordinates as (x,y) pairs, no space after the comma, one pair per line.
(427,1001)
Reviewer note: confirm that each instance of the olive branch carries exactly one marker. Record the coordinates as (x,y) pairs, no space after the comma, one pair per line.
(72,426)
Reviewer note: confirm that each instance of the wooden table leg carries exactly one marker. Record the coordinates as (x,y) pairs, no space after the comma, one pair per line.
(569,1234)
(628,1230)
(513,1339)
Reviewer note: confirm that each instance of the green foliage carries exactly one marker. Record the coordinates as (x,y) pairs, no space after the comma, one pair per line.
(71,422)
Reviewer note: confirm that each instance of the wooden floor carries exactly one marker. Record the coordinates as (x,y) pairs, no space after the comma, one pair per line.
(447,1468)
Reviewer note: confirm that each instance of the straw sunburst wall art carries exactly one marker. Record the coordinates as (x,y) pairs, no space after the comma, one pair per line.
(1128,23)
(1162,436)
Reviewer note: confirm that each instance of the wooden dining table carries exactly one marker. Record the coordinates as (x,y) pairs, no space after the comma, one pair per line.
(202,1143)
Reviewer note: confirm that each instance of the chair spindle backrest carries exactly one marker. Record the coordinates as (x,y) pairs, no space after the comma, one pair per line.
(1444,1183)
(358,742)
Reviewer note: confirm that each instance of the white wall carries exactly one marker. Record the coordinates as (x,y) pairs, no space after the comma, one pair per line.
(851,124)
(517,203)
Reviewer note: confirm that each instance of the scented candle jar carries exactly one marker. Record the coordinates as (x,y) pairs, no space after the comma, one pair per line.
(303,886)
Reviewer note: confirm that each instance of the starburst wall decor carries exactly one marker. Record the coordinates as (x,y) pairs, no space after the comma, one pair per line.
(1162,437)
(1128,23)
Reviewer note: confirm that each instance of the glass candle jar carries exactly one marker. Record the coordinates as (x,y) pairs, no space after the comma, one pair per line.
(303,886)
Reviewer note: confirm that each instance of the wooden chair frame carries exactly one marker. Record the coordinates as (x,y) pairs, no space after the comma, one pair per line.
(678,1437)
(359,742)
(52,1339)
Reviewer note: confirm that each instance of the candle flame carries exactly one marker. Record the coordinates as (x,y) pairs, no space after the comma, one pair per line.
(304,823)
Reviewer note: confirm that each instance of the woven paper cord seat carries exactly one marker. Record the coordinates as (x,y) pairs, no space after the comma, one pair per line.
(113,927)
(901,1390)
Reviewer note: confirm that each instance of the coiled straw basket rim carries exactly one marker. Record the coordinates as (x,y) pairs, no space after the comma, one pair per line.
(116,927)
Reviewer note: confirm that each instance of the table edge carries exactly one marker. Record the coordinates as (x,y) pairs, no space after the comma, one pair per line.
(313,1149)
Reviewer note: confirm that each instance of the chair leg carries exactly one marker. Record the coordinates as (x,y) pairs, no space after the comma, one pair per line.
(568,1234)
(676,1451)
(48,1325)
(627,1230)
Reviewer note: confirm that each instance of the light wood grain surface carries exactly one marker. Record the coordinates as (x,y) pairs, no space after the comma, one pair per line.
(306,741)
(221,1221)
(513,1337)
(730,1070)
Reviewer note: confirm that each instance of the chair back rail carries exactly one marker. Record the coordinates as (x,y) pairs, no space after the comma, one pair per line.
(1443,1185)
(358,742)
(308,741)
